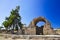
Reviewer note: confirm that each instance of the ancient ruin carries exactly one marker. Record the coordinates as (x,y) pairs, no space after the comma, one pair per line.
(32,29)
(33,32)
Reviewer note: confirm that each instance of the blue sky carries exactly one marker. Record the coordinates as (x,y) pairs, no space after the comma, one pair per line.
(29,9)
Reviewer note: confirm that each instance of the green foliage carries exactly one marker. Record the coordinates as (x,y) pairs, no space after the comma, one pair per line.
(14,18)
(5,23)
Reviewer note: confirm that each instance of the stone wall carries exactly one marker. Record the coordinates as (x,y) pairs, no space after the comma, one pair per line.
(47,29)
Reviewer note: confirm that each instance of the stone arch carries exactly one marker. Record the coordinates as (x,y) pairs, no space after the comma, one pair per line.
(36,20)
(46,29)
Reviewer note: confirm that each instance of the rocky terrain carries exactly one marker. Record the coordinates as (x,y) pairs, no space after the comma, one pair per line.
(29,37)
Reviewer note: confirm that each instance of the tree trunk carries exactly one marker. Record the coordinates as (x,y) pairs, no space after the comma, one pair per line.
(12,31)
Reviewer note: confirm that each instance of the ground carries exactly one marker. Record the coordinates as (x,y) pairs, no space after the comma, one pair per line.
(28,37)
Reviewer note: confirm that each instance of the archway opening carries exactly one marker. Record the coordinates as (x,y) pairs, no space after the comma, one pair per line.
(41,23)
(39,27)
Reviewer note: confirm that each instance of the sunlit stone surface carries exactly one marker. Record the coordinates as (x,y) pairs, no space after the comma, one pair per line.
(43,30)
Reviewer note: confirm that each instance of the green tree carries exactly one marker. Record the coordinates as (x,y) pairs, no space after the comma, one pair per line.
(6,24)
(13,19)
